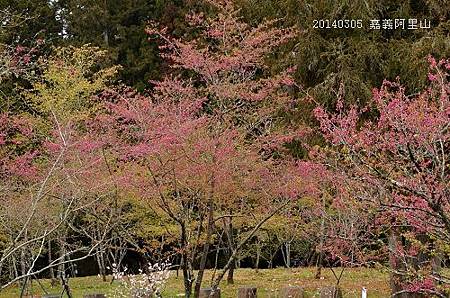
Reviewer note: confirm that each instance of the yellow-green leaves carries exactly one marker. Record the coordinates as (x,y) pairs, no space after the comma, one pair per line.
(70,78)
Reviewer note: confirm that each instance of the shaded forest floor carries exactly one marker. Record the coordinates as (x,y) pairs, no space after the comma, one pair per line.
(268,282)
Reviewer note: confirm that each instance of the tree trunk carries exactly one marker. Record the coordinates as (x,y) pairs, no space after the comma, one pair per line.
(215,283)
(204,258)
(16,272)
(230,277)
(66,287)
(100,256)
(272,256)
(23,266)
(184,262)
(23,271)
(288,254)
(187,278)
(395,279)
(61,267)
(258,254)
(105,29)
(52,271)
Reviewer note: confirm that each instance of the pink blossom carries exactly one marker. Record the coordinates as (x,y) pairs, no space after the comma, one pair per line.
(432,77)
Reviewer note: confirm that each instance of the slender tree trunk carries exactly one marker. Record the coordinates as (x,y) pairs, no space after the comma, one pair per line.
(16,272)
(100,256)
(23,266)
(287,253)
(272,256)
(1,267)
(62,256)
(61,268)
(179,266)
(187,276)
(204,258)
(229,227)
(230,277)
(105,29)
(24,287)
(239,246)
(209,232)
(396,279)
(66,287)
(258,254)
(397,276)
(52,271)
(23,271)
(216,263)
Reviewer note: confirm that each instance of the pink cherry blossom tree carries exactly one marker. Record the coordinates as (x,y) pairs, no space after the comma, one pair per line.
(51,171)
(199,146)
(394,154)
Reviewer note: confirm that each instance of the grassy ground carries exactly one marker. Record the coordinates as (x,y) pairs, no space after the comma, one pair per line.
(268,282)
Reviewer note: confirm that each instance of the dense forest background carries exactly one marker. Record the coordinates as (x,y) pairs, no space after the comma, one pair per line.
(328,64)
(360,59)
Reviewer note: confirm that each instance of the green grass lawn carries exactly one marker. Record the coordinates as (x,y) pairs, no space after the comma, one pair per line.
(268,282)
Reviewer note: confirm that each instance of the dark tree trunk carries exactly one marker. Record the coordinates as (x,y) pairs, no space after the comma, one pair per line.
(204,257)
(66,287)
(187,277)
(396,279)
(258,254)
(215,283)
(229,227)
(230,277)
(52,271)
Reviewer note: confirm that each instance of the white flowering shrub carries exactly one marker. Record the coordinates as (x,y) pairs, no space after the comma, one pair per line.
(148,283)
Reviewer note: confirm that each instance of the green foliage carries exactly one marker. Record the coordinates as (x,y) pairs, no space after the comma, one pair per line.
(359,59)
(119,27)
(33,19)
(352,62)
(68,82)
(148,223)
